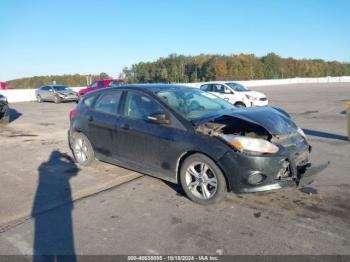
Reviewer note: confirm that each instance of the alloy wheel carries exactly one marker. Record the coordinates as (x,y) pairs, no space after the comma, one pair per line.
(201,180)
(81,150)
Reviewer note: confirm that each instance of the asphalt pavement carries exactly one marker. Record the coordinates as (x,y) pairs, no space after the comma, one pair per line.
(48,204)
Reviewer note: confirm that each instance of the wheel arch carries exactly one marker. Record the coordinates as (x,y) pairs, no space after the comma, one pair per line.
(240,103)
(187,154)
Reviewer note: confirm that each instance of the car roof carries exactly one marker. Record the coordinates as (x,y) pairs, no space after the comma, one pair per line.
(155,87)
(149,88)
(53,85)
(108,80)
(218,82)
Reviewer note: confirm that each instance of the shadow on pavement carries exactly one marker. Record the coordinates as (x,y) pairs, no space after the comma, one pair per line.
(14,115)
(311,132)
(177,188)
(53,232)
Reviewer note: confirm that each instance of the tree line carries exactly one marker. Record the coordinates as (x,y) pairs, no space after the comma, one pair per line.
(179,68)
(75,80)
(183,69)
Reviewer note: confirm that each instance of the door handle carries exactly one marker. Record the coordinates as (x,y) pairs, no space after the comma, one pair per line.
(125,127)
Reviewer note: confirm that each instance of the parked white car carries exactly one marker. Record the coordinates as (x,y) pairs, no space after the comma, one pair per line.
(235,94)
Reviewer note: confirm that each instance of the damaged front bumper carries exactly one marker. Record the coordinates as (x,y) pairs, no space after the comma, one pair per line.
(287,169)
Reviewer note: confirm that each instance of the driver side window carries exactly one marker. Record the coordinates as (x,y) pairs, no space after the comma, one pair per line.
(139,106)
(93,85)
(217,88)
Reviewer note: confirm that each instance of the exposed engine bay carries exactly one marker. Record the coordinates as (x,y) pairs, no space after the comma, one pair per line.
(234,126)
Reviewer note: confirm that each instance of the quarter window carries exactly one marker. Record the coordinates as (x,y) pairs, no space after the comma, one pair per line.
(138,106)
(205,88)
(108,103)
(88,101)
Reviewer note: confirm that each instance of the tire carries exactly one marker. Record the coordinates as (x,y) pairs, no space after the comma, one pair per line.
(39,99)
(57,99)
(202,180)
(240,105)
(82,149)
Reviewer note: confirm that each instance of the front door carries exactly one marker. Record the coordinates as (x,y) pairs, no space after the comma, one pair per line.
(138,139)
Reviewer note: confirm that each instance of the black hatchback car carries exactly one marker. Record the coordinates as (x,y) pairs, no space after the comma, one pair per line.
(4,110)
(187,136)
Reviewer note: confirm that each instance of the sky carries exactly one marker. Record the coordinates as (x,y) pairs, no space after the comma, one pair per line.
(43,37)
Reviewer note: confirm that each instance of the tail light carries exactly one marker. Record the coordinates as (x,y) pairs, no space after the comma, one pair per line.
(74,113)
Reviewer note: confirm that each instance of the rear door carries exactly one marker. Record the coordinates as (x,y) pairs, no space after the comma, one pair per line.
(102,122)
(47,93)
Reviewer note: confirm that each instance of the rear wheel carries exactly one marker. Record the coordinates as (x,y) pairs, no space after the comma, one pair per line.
(202,180)
(39,99)
(82,149)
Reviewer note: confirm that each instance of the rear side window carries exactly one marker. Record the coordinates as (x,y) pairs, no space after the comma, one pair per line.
(206,88)
(108,103)
(88,101)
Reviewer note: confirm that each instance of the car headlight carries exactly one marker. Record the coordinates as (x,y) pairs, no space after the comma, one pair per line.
(251,97)
(248,144)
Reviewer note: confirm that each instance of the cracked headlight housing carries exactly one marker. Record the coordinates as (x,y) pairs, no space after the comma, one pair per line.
(250,145)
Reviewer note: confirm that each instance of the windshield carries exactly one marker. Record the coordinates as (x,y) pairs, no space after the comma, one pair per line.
(237,87)
(194,104)
(60,88)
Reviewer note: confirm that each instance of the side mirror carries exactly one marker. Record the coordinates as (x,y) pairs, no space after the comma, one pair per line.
(228,91)
(158,118)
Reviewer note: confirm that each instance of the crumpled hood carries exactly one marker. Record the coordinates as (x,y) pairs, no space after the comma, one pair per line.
(274,121)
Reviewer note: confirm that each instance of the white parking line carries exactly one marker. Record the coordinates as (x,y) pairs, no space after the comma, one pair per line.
(20,244)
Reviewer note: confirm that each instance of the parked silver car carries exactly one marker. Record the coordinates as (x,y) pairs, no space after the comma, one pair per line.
(55,93)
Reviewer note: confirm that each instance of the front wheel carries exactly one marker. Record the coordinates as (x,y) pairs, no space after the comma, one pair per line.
(202,180)
(240,104)
(57,99)
(82,149)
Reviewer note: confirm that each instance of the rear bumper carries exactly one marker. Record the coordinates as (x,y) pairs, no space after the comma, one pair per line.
(238,167)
